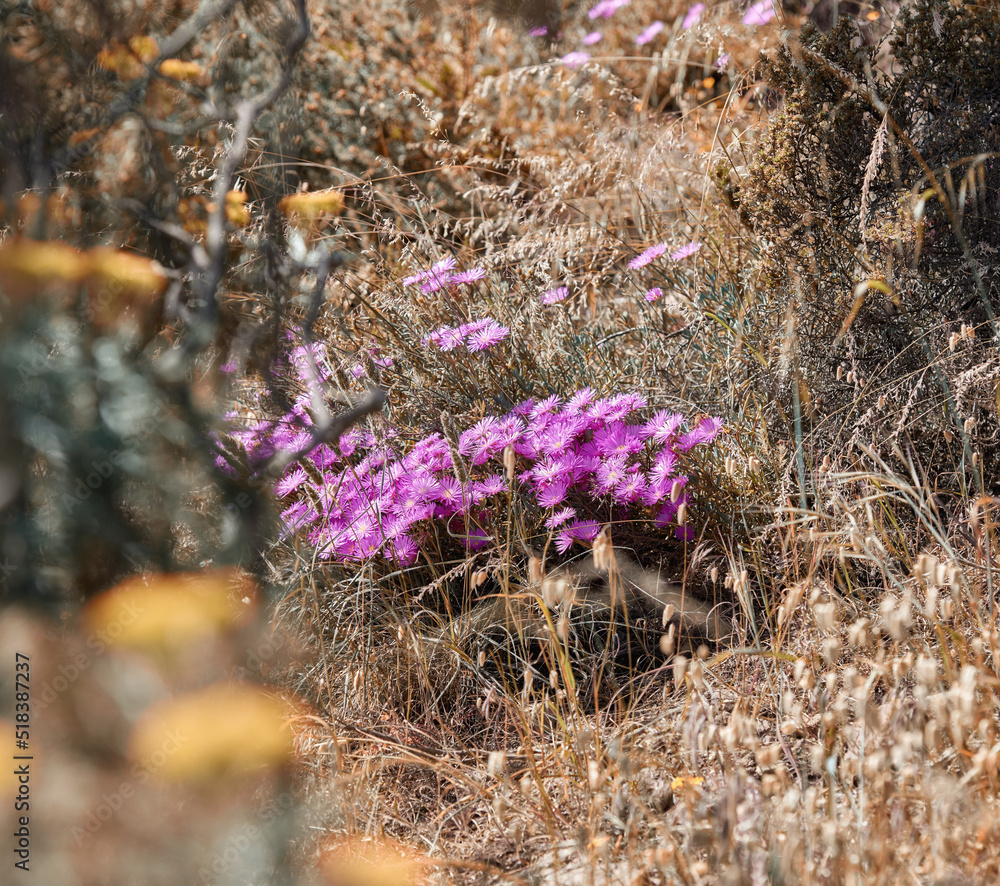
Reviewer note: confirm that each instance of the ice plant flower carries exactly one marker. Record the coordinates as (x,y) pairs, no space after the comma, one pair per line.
(706,431)
(686,250)
(647,34)
(469,276)
(554,295)
(654,294)
(592,38)
(647,255)
(437,269)
(575,60)
(485,338)
(760,13)
(606,8)
(363,498)
(693,15)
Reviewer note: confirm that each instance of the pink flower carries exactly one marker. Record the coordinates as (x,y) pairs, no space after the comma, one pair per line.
(721,62)
(606,8)
(580,400)
(538,32)
(592,38)
(574,60)
(662,426)
(631,488)
(469,276)
(760,13)
(438,268)
(554,295)
(706,431)
(654,294)
(645,257)
(485,338)
(649,33)
(446,338)
(685,251)
(610,474)
(560,517)
(693,15)
(552,495)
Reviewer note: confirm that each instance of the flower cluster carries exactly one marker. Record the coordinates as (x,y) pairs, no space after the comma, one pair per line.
(759,13)
(360,497)
(440,276)
(606,8)
(649,33)
(479,335)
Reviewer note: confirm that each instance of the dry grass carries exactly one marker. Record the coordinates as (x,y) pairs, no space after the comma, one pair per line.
(821,706)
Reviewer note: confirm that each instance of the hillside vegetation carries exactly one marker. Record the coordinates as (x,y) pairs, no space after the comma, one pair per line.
(488,443)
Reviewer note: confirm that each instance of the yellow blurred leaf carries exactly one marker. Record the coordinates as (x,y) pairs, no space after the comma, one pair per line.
(236,210)
(356,862)
(126,272)
(181,70)
(218,732)
(120,60)
(310,205)
(682,783)
(166,613)
(27,265)
(144,48)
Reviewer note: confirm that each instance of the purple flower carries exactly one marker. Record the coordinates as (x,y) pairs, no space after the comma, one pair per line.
(560,517)
(617,438)
(662,426)
(705,432)
(452,498)
(523,409)
(494,484)
(469,276)
(564,540)
(693,15)
(228,367)
(446,338)
(547,471)
(721,62)
(760,13)
(685,251)
(609,474)
(585,530)
(290,482)
(538,32)
(645,257)
(592,38)
(474,539)
(555,295)
(654,294)
(666,514)
(580,400)
(404,551)
(486,337)
(649,33)
(437,269)
(552,495)
(574,60)
(663,467)
(561,433)
(632,488)
(606,8)
(482,440)
(546,407)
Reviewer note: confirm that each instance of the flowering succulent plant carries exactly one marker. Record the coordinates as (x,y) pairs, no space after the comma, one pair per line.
(567,459)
